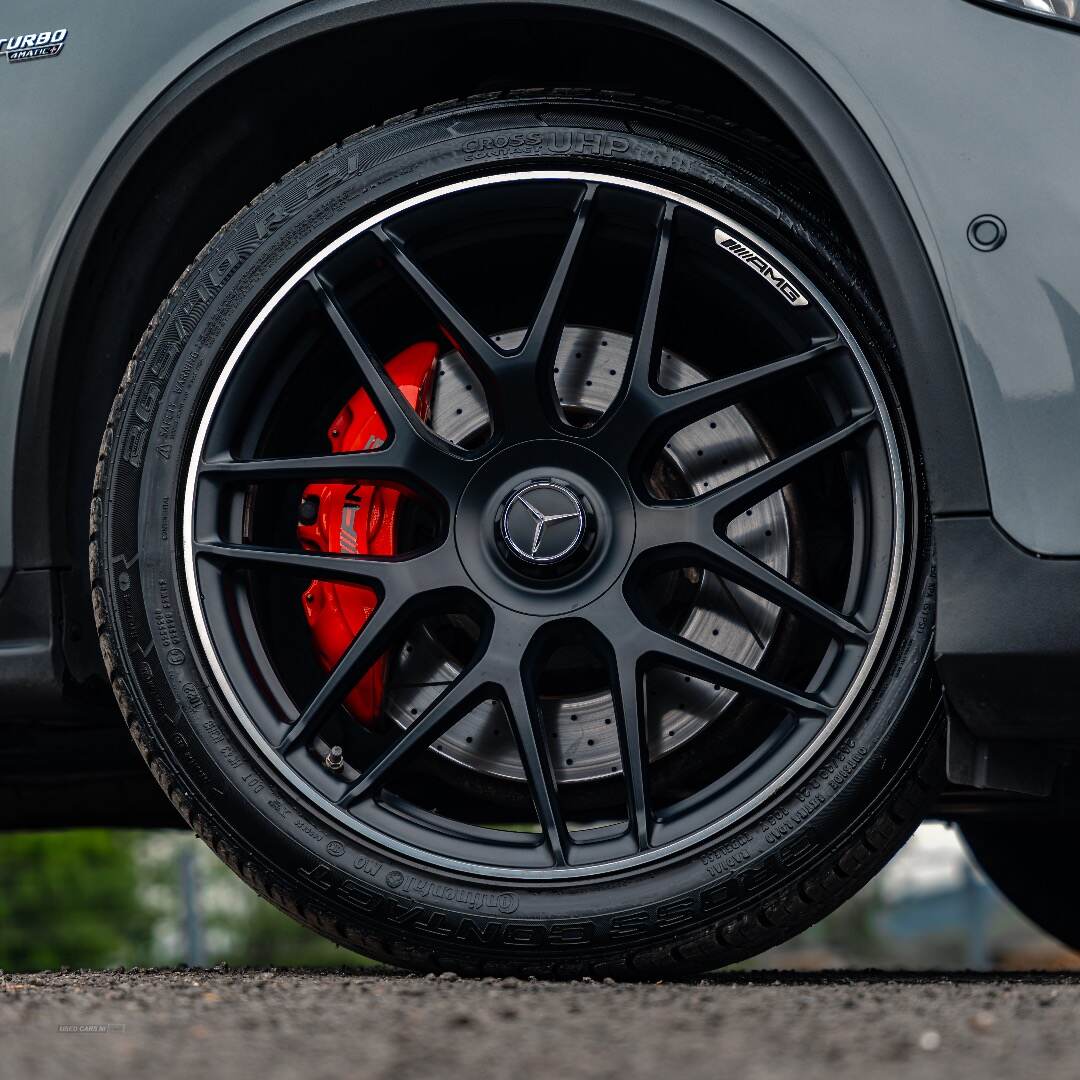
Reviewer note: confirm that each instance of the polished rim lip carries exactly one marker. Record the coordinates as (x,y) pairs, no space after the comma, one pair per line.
(355,825)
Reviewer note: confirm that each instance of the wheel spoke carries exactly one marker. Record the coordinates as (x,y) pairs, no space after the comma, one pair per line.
(372,641)
(626,693)
(748,490)
(642,359)
(657,413)
(693,660)
(635,404)
(465,334)
(464,694)
(421,571)
(679,407)
(388,464)
(543,337)
(668,547)
(527,375)
(522,705)
(396,411)
(743,569)
(427,469)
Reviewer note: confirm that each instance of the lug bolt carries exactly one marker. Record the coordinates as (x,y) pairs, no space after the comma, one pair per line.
(335,759)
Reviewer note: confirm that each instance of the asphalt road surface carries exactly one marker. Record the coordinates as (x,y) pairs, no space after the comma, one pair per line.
(157,1025)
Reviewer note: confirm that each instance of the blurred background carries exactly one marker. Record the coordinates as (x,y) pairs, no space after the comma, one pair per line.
(101,898)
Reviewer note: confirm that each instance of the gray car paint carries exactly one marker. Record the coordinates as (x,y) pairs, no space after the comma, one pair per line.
(969,111)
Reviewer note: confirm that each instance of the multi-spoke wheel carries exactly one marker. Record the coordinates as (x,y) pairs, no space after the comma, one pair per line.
(511,558)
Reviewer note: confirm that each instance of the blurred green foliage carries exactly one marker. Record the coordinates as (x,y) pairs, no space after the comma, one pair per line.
(70,898)
(97,898)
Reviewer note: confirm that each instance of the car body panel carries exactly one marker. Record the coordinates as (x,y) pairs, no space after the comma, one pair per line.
(923,79)
(944,92)
(970,113)
(63,118)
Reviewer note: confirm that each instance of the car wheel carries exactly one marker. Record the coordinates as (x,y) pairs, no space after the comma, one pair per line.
(509,550)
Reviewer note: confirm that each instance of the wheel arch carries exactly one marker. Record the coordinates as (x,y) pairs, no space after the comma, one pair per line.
(158,200)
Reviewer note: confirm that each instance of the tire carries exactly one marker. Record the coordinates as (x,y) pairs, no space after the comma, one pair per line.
(1027,865)
(791,853)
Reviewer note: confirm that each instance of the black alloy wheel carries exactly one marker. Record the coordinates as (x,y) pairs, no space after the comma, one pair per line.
(653,591)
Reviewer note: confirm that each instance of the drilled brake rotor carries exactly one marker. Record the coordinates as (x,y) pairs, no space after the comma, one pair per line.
(724,618)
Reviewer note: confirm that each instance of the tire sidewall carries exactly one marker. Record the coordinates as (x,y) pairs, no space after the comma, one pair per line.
(290,845)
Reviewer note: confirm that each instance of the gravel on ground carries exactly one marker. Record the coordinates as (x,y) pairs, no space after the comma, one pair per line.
(161,1024)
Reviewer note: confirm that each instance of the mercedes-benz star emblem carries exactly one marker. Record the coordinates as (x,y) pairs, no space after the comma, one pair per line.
(543,522)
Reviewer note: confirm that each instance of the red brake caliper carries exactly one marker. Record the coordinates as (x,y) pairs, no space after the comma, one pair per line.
(359,519)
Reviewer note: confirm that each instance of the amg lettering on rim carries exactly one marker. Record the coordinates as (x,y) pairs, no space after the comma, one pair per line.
(773,276)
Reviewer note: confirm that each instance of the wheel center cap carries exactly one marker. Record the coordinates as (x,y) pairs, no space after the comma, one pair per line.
(543,522)
(544,527)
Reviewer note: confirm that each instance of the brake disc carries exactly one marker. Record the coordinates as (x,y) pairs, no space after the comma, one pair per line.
(722,617)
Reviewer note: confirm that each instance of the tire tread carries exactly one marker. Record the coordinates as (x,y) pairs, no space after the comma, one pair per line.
(896,812)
